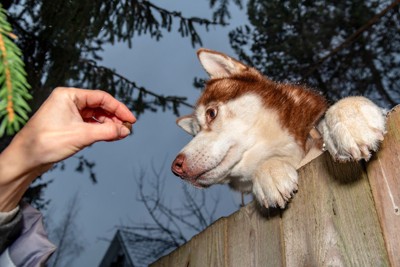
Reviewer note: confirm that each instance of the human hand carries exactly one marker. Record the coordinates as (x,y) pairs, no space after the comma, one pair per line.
(71,119)
(68,121)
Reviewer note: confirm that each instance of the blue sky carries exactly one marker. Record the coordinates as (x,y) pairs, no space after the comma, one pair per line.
(166,67)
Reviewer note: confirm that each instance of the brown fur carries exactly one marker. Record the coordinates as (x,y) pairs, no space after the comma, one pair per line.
(257,141)
(287,99)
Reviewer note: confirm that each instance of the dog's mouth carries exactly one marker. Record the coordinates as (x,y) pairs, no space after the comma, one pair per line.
(215,174)
(195,180)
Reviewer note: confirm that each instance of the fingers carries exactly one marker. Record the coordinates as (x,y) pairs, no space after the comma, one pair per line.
(109,104)
(108,131)
(94,99)
(98,115)
(102,115)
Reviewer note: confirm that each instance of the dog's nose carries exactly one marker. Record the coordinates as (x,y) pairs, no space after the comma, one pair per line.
(178,165)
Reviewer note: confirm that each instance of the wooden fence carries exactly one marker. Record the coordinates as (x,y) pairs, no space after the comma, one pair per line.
(342,215)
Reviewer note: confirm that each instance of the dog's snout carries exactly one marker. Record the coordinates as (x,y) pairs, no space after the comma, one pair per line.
(178,165)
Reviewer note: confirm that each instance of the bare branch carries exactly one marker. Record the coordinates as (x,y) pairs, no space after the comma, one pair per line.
(65,235)
(169,227)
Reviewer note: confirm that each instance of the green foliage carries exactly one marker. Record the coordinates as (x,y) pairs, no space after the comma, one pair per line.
(14,92)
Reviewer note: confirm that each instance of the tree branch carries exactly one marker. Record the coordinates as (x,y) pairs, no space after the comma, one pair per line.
(174,100)
(351,38)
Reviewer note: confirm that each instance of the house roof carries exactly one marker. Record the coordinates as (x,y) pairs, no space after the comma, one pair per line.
(138,250)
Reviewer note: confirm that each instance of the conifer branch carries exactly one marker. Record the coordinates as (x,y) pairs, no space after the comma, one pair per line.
(13,85)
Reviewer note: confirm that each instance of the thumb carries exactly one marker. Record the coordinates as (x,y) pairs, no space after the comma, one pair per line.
(107,131)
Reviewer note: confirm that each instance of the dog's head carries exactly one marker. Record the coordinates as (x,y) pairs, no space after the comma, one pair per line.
(229,120)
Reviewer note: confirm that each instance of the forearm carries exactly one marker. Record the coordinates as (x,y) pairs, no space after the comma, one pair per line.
(61,127)
(18,168)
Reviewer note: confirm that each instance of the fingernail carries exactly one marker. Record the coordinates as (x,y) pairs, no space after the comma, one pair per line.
(125,131)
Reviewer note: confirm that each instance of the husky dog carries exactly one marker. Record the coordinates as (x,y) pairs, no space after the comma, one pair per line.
(252,133)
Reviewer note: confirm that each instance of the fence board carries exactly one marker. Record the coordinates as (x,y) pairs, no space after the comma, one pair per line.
(384,176)
(326,225)
(343,215)
(243,239)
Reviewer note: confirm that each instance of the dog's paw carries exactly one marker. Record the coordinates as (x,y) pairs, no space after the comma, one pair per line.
(275,183)
(352,128)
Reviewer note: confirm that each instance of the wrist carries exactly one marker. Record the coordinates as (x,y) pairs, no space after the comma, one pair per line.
(18,169)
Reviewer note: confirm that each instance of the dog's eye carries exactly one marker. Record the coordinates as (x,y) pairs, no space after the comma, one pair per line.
(211,114)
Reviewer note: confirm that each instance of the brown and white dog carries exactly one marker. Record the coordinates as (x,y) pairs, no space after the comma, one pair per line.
(252,133)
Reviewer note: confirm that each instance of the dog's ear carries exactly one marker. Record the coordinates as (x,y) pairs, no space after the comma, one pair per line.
(188,124)
(219,65)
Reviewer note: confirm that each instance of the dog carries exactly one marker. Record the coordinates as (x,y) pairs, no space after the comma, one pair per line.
(252,133)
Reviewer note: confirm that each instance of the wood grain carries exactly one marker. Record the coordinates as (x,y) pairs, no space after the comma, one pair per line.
(245,238)
(384,177)
(343,215)
(332,220)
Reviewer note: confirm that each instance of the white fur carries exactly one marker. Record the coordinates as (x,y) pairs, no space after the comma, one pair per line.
(352,128)
(245,146)
(218,65)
